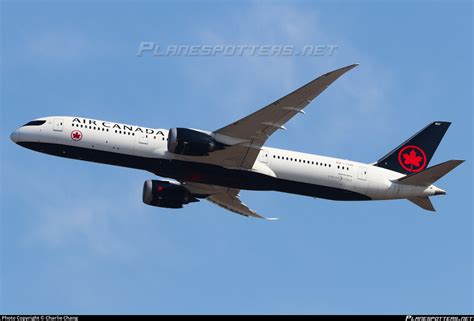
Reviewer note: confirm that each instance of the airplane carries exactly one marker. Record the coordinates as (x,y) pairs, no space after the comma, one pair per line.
(216,165)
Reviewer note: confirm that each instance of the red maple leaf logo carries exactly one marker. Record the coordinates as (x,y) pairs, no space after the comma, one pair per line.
(412,158)
(76,135)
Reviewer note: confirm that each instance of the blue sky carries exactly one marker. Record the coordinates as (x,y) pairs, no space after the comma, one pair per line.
(76,237)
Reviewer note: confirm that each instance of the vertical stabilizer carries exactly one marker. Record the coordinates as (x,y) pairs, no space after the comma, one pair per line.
(415,153)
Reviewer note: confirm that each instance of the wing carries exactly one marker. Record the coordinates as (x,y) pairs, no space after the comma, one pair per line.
(231,201)
(252,131)
(227,198)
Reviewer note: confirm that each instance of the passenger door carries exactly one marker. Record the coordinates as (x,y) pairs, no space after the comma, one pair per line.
(58,125)
(362,181)
(263,157)
(143,138)
(362,173)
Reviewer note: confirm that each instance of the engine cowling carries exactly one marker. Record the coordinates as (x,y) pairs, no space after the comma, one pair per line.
(185,141)
(166,194)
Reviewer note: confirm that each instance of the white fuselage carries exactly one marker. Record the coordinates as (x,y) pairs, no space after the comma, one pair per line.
(150,144)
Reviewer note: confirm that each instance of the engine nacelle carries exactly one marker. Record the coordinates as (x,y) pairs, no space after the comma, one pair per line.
(166,194)
(185,141)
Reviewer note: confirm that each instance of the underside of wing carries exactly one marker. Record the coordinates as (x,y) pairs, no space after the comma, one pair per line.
(227,198)
(252,131)
(233,203)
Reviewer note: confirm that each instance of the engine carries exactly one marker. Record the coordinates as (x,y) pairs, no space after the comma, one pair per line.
(185,141)
(166,194)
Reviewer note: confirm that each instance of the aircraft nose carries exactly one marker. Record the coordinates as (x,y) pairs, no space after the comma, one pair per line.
(15,136)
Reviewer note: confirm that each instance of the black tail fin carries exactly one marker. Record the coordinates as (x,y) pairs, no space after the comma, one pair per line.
(414,155)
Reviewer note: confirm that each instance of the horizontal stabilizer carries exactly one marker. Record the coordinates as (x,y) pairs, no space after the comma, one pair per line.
(423,202)
(429,175)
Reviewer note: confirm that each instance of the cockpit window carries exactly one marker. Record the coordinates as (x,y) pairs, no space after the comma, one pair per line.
(35,123)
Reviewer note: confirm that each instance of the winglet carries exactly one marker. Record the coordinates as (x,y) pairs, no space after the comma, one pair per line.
(271,218)
(254,214)
(339,72)
(346,68)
